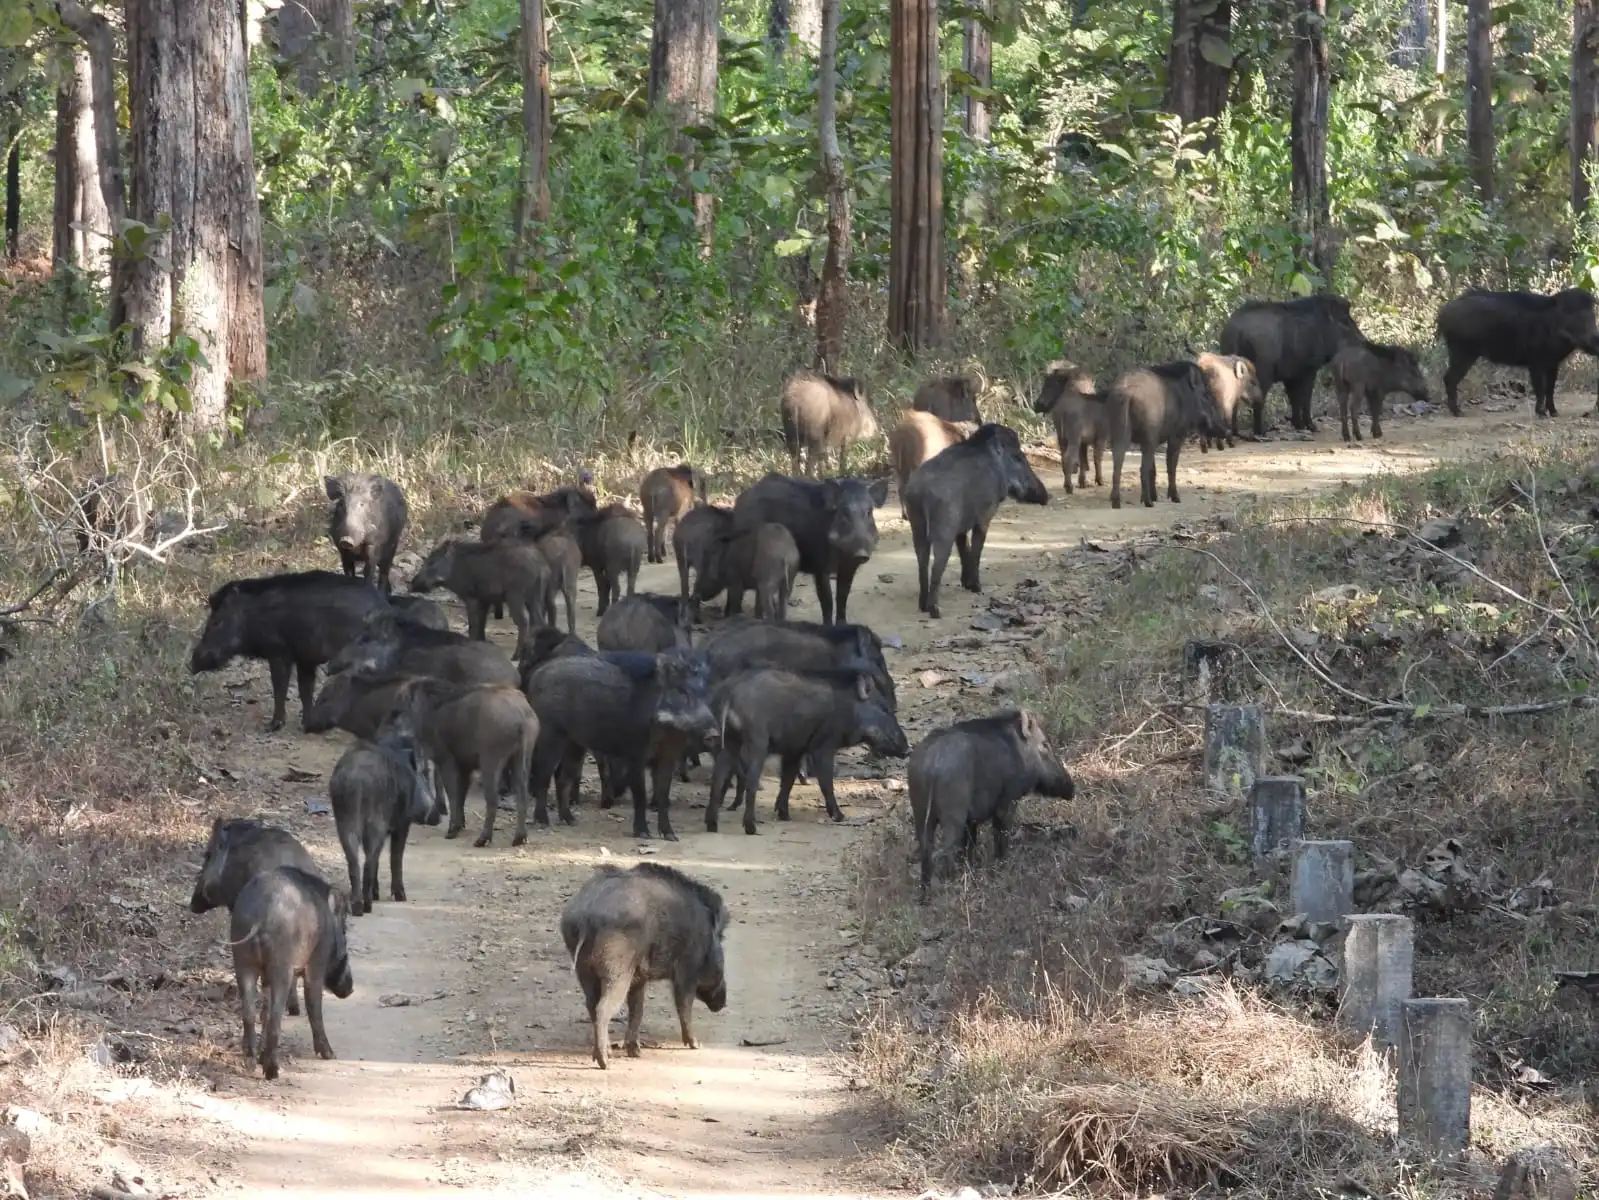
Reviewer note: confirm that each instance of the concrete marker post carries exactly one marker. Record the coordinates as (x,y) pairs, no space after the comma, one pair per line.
(1435,1074)
(1322,883)
(1377,975)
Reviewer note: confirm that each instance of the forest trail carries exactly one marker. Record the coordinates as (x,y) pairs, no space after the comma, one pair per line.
(760,1109)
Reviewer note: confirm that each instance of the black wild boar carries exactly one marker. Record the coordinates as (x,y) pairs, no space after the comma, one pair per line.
(627,929)
(975,771)
(547,644)
(288,923)
(613,542)
(697,543)
(378,793)
(357,702)
(953,497)
(1288,341)
(745,643)
(824,413)
(639,709)
(950,398)
(1151,405)
(1364,372)
(366,516)
(386,645)
(1234,384)
(1517,329)
(238,851)
(643,622)
(797,716)
(482,574)
(419,610)
(918,437)
(487,730)
(831,522)
(295,622)
(763,560)
(668,495)
(1081,420)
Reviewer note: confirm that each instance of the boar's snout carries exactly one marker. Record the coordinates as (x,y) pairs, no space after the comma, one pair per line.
(714,994)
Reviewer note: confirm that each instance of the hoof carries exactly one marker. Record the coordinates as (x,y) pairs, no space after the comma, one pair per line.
(398,894)
(481,840)
(518,839)
(275,724)
(631,1050)
(452,832)
(750,829)
(669,835)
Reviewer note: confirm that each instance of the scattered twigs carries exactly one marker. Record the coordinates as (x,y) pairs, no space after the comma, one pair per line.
(1399,708)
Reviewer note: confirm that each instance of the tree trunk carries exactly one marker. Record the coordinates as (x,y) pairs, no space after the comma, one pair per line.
(82,227)
(101,45)
(318,38)
(977,60)
(1440,66)
(683,64)
(834,296)
(916,288)
(1584,97)
(533,194)
(1308,135)
(1410,52)
(802,18)
(192,166)
(1480,95)
(1197,85)
(13,137)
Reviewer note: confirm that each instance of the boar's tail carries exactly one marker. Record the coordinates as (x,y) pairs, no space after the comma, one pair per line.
(254,929)
(578,949)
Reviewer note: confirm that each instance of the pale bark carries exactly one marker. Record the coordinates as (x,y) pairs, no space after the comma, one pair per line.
(1308,134)
(1196,87)
(683,72)
(917,290)
(1584,97)
(193,167)
(81,226)
(802,18)
(1479,95)
(977,59)
(533,192)
(833,299)
(101,46)
(318,38)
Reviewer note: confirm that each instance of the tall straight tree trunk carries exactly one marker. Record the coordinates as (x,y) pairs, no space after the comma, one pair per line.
(81,229)
(683,65)
(1480,95)
(1308,134)
(1440,65)
(802,18)
(318,38)
(1410,52)
(193,166)
(12,129)
(977,60)
(1199,65)
(1584,97)
(533,194)
(834,295)
(101,46)
(916,283)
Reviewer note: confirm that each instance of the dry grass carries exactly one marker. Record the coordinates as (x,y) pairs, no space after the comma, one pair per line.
(1018,1053)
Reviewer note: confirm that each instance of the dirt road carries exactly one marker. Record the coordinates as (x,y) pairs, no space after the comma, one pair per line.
(759,1109)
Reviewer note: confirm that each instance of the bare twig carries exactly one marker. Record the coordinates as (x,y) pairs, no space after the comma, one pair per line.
(1415,712)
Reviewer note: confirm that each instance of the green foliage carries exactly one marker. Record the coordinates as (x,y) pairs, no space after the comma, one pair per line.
(1091,223)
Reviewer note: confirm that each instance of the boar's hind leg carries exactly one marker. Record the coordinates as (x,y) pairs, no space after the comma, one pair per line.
(635,1017)
(280,669)
(972,564)
(789,772)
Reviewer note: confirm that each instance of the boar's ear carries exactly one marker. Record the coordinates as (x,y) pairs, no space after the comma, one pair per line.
(830,494)
(863,686)
(339,902)
(1241,367)
(1030,726)
(333,486)
(878,492)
